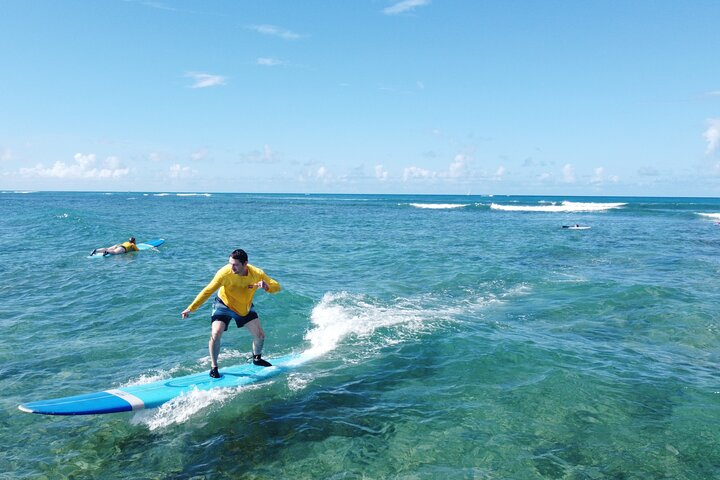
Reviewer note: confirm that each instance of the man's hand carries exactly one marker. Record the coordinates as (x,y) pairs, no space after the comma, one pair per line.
(185,313)
(261,284)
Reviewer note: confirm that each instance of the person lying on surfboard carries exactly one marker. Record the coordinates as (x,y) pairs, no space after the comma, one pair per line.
(237,283)
(129,246)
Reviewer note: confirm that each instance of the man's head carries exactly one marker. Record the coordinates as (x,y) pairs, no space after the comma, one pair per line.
(239,255)
(132,240)
(238,260)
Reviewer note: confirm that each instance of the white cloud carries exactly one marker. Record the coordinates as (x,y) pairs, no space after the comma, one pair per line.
(544,177)
(267,155)
(178,171)
(404,6)
(5,154)
(85,161)
(320,175)
(205,80)
(112,163)
(712,135)
(275,31)
(458,167)
(380,173)
(268,62)
(599,177)
(413,172)
(199,155)
(500,173)
(83,167)
(568,173)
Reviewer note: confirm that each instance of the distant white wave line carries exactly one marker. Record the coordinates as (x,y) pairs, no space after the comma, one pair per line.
(715,216)
(179,194)
(439,206)
(563,207)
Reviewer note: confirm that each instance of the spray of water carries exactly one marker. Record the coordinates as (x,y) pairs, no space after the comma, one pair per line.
(338,318)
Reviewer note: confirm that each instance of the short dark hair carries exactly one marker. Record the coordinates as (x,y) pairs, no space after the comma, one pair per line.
(239,254)
(132,239)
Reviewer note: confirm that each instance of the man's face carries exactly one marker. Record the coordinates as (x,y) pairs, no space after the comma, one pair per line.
(237,266)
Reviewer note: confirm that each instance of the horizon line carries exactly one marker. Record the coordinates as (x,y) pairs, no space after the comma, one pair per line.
(206,192)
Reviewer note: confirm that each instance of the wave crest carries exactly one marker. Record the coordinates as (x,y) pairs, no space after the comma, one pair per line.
(565,206)
(439,206)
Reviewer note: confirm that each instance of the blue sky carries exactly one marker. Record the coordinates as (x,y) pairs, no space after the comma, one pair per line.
(564,97)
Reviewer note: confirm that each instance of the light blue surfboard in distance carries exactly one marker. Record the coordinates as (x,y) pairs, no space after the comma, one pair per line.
(151,395)
(150,244)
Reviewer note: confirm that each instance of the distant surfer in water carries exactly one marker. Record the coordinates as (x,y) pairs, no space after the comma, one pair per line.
(129,246)
(237,283)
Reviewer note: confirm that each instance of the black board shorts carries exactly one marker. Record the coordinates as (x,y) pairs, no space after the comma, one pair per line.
(221,312)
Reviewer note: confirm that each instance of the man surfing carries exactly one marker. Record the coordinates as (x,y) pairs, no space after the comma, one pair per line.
(237,283)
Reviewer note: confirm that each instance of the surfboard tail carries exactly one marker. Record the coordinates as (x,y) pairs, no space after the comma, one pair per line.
(109,401)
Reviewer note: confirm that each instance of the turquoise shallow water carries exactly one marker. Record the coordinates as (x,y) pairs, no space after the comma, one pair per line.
(458,337)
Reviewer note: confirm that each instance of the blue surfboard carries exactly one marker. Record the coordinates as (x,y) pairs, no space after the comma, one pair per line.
(150,244)
(151,395)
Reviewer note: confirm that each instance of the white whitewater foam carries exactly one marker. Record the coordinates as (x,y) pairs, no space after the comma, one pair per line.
(563,207)
(178,194)
(714,216)
(341,315)
(298,381)
(439,206)
(151,376)
(184,407)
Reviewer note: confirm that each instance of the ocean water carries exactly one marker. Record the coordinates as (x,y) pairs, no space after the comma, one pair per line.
(462,337)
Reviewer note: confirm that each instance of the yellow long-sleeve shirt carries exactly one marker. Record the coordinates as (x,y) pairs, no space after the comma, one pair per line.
(236,291)
(129,247)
